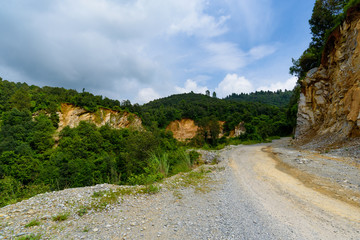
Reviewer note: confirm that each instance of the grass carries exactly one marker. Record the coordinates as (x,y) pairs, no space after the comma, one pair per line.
(33,223)
(82,211)
(199,180)
(61,217)
(30,237)
(150,189)
(102,199)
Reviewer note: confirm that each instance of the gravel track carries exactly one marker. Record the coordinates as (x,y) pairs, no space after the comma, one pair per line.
(246,196)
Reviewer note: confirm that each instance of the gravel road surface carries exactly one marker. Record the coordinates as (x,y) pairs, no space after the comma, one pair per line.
(248,195)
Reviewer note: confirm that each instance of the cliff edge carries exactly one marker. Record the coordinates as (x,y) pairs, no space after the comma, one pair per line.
(329,105)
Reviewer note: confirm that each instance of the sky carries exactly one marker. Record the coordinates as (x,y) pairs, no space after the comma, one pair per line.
(143,50)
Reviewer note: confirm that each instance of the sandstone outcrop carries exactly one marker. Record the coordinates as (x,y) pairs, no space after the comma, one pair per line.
(329,106)
(183,129)
(71,116)
(186,129)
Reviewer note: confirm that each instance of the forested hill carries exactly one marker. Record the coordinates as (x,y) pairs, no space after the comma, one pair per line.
(33,98)
(268,119)
(32,161)
(279,98)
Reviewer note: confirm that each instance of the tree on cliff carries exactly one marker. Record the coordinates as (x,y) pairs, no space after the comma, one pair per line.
(323,17)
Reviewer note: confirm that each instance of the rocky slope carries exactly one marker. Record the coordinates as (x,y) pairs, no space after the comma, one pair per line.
(71,116)
(329,106)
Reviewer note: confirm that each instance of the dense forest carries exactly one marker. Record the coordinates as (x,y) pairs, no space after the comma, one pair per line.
(279,98)
(262,120)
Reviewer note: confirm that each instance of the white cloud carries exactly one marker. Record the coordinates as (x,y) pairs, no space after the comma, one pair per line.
(256,16)
(228,56)
(191,85)
(289,84)
(224,55)
(146,95)
(233,83)
(102,44)
(261,51)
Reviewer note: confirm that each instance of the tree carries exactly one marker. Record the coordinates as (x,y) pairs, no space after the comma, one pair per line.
(214,94)
(323,17)
(21,99)
(207,93)
(214,129)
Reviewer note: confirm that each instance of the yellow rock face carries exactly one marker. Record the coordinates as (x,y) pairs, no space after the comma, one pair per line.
(71,116)
(329,106)
(183,129)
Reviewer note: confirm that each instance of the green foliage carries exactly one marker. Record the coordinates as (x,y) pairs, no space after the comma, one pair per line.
(31,162)
(32,223)
(206,110)
(151,189)
(60,217)
(30,237)
(279,98)
(194,157)
(327,14)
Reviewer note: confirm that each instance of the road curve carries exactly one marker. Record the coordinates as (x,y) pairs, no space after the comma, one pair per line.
(281,204)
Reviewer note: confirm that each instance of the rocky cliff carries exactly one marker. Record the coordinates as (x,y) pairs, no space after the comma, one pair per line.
(329,103)
(71,116)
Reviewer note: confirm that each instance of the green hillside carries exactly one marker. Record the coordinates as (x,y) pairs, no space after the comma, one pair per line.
(31,161)
(279,98)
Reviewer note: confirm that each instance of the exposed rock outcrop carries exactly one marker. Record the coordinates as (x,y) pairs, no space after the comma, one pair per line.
(329,106)
(186,129)
(71,116)
(238,131)
(183,129)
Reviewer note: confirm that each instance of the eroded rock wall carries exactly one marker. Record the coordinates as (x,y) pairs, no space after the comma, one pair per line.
(329,106)
(186,129)
(71,116)
(183,129)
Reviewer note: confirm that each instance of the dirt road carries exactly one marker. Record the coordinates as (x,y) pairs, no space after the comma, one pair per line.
(250,194)
(287,201)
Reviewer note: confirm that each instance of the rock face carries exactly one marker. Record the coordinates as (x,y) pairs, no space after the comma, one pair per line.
(183,129)
(71,116)
(186,129)
(238,131)
(329,106)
